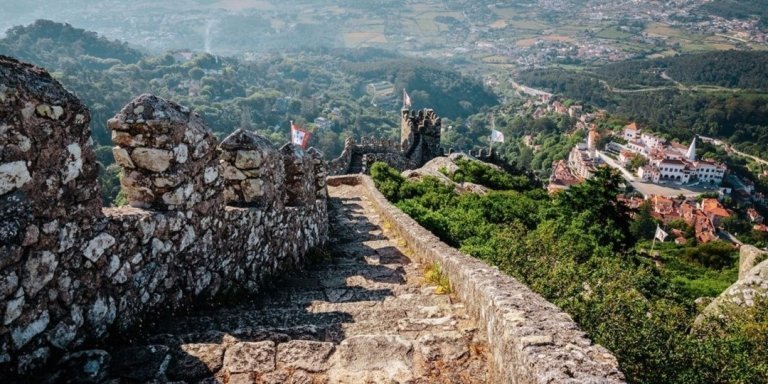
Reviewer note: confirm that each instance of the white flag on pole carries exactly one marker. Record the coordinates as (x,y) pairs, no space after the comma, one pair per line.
(406,99)
(497,136)
(660,234)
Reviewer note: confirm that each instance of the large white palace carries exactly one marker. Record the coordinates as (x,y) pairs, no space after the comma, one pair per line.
(668,161)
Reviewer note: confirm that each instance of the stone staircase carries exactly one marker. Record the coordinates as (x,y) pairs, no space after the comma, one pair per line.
(361,314)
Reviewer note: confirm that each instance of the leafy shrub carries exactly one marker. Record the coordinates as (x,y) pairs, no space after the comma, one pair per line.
(483,174)
(715,254)
(387,180)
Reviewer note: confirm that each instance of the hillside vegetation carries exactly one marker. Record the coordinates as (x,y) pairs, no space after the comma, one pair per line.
(747,70)
(739,9)
(578,250)
(262,93)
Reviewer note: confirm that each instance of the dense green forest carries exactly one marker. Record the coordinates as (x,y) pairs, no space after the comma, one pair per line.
(262,93)
(746,70)
(696,104)
(739,9)
(581,250)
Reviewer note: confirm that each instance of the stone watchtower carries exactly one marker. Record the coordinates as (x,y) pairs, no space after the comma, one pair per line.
(420,135)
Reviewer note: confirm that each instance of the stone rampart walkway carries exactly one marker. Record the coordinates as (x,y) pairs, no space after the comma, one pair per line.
(363,314)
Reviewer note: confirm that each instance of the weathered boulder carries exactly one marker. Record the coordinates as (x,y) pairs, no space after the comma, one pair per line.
(749,257)
(750,287)
(441,168)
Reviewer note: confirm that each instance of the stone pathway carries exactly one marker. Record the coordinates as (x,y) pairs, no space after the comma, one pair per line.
(363,314)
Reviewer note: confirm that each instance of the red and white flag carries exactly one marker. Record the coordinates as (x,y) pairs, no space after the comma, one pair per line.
(406,99)
(299,136)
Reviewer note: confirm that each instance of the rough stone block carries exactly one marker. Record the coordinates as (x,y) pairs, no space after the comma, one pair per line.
(195,361)
(250,357)
(391,354)
(311,356)
(155,160)
(90,366)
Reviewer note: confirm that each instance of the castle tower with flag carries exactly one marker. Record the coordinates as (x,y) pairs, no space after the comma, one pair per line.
(420,135)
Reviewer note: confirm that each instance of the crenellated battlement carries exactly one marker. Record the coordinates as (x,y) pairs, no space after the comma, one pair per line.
(419,143)
(203,218)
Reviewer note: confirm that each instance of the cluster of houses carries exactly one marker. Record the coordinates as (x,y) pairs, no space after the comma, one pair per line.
(705,216)
(581,164)
(546,105)
(666,161)
(662,161)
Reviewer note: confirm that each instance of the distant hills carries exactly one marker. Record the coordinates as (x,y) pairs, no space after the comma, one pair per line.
(738,9)
(747,70)
(46,43)
(262,93)
(744,70)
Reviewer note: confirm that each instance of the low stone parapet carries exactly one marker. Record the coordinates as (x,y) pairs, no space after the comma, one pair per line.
(531,340)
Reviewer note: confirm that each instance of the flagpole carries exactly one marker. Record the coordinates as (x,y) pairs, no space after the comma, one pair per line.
(491,147)
(493,127)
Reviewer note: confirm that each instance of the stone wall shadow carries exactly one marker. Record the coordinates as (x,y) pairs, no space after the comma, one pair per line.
(193,347)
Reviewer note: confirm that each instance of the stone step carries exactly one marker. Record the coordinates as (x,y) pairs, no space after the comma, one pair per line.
(375,356)
(363,315)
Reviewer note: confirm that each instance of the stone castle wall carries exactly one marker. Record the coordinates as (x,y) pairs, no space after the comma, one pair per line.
(531,340)
(204,218)
(420,133)
(369,149)
(419,143)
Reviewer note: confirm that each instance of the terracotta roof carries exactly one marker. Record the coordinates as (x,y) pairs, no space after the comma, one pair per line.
(672,162)
(626,153)
(704,230)
(562,175)
(677,145)
(713,207)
